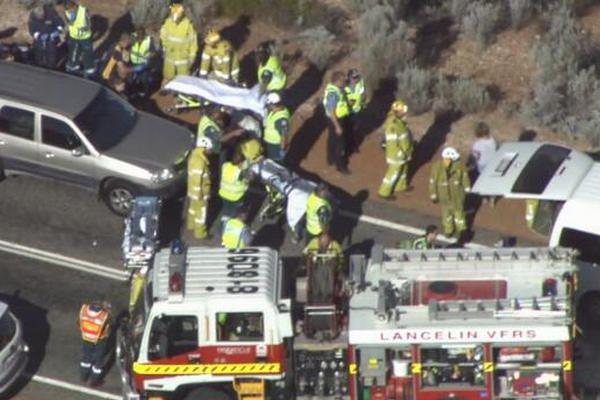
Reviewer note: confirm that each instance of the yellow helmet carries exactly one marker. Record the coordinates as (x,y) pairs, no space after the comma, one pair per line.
(177,10)
(399,106)
(212,37)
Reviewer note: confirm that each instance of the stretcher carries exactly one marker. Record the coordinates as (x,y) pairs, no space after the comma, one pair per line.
(140,237)
(194,92)
(290,191)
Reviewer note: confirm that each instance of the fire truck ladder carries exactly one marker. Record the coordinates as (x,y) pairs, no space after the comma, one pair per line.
(555,309)
(525,263)
(250,389)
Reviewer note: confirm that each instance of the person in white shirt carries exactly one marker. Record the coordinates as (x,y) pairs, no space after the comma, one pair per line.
(482,151)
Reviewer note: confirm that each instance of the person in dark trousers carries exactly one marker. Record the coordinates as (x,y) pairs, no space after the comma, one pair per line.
(46,28)
(95,325)
(339,125)
(80,57)
(118,69)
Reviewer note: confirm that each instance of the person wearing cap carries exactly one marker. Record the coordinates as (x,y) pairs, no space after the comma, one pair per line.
(271,76)
(211,125)
(179,42)
(236,233)
(398,151)
(277,125)
(95,325)
(219,59)
(198,187)
(251,149)
(448,184)
(339,125)
(46,28)
(357,97)
(118,70)
(80,49)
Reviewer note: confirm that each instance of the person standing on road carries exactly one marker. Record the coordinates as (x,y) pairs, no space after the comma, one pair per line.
(449,183)
(179,42)
(319,212)
(271,76)
(80,57)
(398,151)
(142,52)
(95,324)
(46,28)
(233,186)
(357,98)
(236,233)
(211,125)
(339,125)
(277,126)
(198,188)
(482,151)
(323,246)
(219,59)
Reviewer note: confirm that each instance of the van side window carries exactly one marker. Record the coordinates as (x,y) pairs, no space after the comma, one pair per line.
(59,134)
(172,335)
(17,122)
(588,244)
(240,327)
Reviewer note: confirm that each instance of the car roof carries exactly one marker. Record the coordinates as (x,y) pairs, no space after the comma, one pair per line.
(64,94)
(533,170)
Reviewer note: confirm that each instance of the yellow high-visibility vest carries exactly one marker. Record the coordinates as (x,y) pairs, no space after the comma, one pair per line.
(79,29)
(232,234)
(342,109)
(271,135)
(278,77)
(313,223)
(233,187)
(140,51)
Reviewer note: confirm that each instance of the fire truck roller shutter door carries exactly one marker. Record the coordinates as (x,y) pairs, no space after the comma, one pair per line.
(203,393)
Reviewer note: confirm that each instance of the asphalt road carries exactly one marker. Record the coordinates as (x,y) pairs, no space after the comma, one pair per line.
(72,222)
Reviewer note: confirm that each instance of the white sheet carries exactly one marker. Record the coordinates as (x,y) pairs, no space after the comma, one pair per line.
(220,93)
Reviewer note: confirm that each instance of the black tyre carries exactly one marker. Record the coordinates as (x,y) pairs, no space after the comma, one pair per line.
(207,394)
(118,196)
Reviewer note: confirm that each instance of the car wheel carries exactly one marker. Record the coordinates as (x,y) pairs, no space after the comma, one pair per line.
(207,394)
(118,196)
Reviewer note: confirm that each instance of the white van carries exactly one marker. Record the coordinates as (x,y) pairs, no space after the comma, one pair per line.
(567,183)
(13,350)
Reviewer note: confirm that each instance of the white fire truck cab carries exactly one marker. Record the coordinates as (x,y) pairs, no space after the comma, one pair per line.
(216,328)
(462,324)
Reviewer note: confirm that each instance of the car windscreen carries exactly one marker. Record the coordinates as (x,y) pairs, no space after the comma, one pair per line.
(106,120)
(540,169)
(7,329)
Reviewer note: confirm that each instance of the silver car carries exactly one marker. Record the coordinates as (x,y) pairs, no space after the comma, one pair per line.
(13,350)
(76,131)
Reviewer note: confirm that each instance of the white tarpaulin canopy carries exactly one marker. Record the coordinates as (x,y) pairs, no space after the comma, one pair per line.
(220,93)
(286,182)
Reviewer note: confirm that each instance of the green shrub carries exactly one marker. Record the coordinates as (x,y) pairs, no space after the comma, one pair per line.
(285,13)
(482,21)
(469,96)
(318,46)
(149,13)
(458,9)
(521,12)
(385,44)
(415,87)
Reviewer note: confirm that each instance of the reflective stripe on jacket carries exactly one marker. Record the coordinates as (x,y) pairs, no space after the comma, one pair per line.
(271,134)
(233,185)
(355,95)
(278,77)
(93,324)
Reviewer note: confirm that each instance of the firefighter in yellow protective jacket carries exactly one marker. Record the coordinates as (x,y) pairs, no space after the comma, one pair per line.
(219,59)
(398,151)
(179,42)
(198,188)
(95,325)
(449,183)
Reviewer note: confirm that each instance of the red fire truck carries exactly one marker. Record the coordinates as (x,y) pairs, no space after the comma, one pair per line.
(462,324)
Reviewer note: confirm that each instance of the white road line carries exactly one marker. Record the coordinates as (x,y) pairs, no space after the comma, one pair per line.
(403,228)
(63,261)
(76,388)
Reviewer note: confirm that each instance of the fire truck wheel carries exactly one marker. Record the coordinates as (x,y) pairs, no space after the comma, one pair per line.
(207,394)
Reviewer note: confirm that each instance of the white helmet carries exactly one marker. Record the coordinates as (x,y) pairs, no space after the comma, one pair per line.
(450,153)
(273,98)
(204,142)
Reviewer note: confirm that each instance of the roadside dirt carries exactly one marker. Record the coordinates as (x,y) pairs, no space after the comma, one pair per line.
(507,65)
